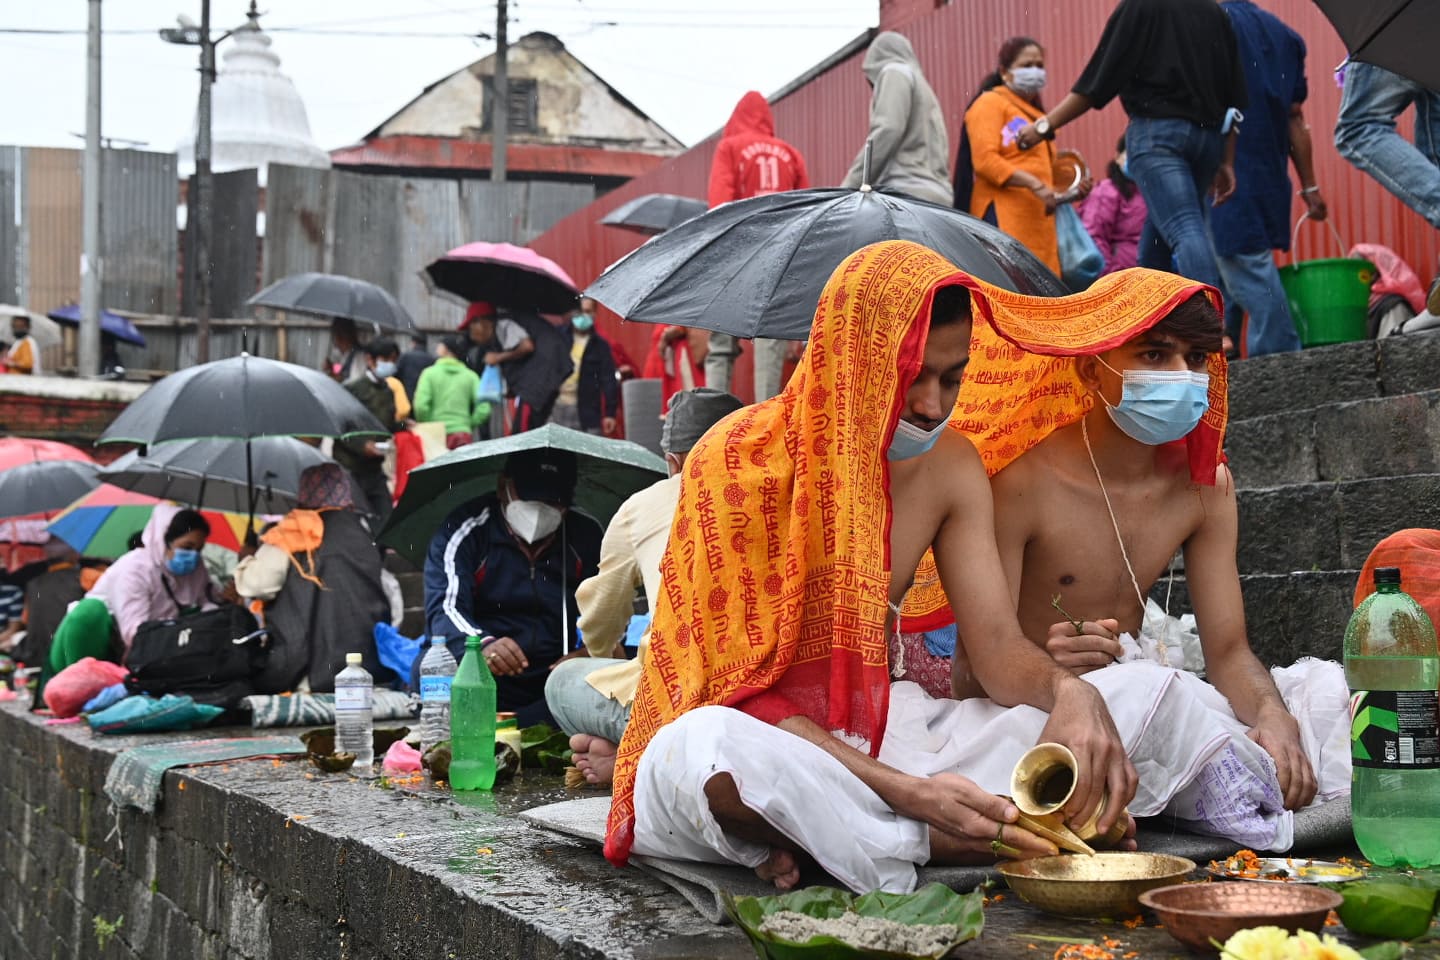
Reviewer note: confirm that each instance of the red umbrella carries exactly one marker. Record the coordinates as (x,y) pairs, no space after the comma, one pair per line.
(17,450)
(505,275)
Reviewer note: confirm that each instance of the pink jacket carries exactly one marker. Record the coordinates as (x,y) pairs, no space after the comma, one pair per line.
(132,587)
(1114,224)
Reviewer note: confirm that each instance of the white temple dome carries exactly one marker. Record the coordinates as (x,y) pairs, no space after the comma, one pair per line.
(256,114)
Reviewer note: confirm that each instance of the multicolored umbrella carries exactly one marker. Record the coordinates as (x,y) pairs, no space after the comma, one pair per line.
(505,275)
(101,523)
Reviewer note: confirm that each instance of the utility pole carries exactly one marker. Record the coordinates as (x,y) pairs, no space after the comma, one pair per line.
(205,220)
(91,259)
(500,97)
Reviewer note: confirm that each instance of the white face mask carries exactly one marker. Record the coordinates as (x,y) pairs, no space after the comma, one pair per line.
(1027,79)
(532,520)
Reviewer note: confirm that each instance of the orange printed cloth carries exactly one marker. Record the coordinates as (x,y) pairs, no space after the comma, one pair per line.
(1021,386)
(1417,553)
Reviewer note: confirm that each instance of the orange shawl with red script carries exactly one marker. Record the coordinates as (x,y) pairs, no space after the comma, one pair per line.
(1021,385)
(777,577)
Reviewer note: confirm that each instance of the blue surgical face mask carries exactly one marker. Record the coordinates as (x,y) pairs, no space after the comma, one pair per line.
(1159,406)
(911,441)
(583,321)
(182,561)
(384,368)
(1027,79)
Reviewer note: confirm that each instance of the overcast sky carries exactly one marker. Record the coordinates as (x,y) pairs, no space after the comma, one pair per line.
(684,62)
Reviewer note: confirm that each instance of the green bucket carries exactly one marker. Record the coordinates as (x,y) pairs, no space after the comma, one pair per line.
(1329,299)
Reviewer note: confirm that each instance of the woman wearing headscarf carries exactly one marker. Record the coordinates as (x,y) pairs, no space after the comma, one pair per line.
(318,575)
(1013,188)
(161,579)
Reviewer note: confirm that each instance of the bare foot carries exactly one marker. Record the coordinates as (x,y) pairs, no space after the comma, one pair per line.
(780,869)
(594,757)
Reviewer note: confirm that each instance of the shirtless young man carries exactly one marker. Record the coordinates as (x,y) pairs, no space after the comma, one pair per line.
(742,744)
(1056,535)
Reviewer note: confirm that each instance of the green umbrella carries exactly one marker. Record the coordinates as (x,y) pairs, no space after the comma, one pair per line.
(609,471)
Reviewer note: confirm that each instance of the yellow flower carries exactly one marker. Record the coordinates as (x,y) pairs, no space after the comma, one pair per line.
(1259,943)
(1307,946)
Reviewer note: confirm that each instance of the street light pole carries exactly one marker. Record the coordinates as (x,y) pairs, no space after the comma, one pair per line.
(203,207)
(91,259)
(500,99)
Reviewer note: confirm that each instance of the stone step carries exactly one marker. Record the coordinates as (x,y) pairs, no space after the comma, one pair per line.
(1330,526)
(412,588)
(1287,616)
(1380,437)
(1286,382)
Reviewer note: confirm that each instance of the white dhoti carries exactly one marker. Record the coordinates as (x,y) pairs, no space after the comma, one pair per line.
(1195,761)
(798,788)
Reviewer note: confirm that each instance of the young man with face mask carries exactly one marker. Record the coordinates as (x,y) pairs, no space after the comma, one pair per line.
(1102,468)
(505,566)
(383,396)
(590,695)
(590,396)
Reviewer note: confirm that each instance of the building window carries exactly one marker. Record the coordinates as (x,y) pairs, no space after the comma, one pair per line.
(524,96)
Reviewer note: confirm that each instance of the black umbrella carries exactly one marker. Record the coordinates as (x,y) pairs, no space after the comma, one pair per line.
(755,268)
(45,486)
(1399,35)
(243,398)
(331,295)
(211,473)
(654,213)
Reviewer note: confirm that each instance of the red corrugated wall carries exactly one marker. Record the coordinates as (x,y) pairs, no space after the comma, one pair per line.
(956,43)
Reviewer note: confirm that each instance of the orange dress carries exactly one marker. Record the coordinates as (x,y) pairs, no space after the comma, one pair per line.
(992,123)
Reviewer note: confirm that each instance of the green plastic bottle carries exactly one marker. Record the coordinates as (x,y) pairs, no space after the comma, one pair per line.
(1393,669)
(472,722)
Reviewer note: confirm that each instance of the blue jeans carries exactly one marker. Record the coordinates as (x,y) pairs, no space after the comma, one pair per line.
(1174,163)
(1365,135)
(1252,281)
(578,707)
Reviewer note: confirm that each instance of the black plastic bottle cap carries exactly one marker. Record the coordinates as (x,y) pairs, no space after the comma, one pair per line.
(1387,575)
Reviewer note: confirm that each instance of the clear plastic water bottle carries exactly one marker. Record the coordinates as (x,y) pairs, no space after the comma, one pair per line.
(437,672)
(354,723)
(1393,669)
(472,722)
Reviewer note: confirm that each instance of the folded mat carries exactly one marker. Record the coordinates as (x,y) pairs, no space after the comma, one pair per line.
(1323,828)
(318,709)
(135,776)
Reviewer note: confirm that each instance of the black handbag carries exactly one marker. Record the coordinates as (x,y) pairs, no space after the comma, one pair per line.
(211,656)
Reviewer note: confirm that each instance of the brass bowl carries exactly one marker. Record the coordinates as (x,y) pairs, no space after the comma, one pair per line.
(1194,913)
(1105,885)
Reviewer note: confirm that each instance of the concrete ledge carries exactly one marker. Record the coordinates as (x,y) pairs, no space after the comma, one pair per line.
(253,860)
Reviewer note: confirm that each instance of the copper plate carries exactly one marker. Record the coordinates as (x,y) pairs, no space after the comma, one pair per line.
(1290,870)
(1194,913)
(1105,885)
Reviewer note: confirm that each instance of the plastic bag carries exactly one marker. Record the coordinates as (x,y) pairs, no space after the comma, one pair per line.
(401,758)
(108,697)
(492,383)
(1081,261)
(396,651)
(69,690)
(142,714)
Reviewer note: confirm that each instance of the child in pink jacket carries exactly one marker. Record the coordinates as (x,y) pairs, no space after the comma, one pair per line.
(1114,214)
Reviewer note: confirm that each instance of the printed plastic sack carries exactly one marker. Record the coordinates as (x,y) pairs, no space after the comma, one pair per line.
(69,690)
(1081,261)
(142,714)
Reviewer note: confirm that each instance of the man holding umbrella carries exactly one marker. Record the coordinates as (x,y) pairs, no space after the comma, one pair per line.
(504,567)
(364,457)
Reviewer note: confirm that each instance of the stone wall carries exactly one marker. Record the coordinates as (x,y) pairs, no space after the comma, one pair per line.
(264,860)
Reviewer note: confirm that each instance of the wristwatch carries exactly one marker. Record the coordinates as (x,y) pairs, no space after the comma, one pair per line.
(1042,127)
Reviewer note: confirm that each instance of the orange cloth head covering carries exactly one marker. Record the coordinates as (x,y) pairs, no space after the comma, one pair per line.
(1021,385)
(1417,553)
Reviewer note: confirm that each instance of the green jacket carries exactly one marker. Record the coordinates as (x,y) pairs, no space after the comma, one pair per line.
(448,391)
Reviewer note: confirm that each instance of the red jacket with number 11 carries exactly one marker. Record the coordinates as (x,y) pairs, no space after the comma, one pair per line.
(750,160)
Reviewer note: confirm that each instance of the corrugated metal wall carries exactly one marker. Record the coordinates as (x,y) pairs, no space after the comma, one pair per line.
(233,248)
(385,229)
(40,257)
(957,45)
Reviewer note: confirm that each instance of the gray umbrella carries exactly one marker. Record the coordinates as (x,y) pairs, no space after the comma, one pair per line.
(331,295)
(1399,35)
(654,213)
(755,268)
(211,473)
(45,486)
